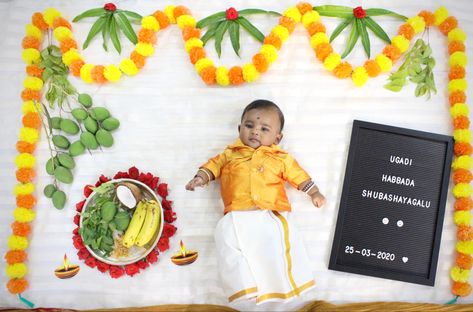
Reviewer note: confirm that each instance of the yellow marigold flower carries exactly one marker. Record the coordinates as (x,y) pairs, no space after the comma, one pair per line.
(31,56)
(169,11)
(62,33)
(458,58)
(150,22)
(85,71)
(465,247)
(359,76)
(17,242)
(457,85)
(186,20)
(317,39)
(128,67)
(462,217)
(462,162)
(203,63)
(384,62)
(29,135)
(440,15)
(401,43)
(332,61)
(459,109)
(32,30)
(30,107)
(269,52)
(71,56)
(456,34)
(462,135)
(281,32)
(112,73)
(23,189)
(462,190)
(193,43)
(293,12)
(49,15)
(145,49)
(222,76)
(25,160)
(250,73)
(33,83)
(460,275)
(16,270)
(417,23)
(23,214)
(310,17)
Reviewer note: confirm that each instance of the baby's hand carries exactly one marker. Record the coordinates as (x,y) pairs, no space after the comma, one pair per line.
(318,199)
(195,182)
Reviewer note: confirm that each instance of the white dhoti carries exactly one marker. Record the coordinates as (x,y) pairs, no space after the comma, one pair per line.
(261,255)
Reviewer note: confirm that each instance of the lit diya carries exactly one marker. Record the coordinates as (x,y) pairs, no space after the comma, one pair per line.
(66,271)
(185,256)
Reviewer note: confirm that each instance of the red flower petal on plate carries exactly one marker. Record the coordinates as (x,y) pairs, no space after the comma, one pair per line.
(88,190)
(152,257)
(167,204)
(142,264)
(132,269)
(116,271)
(169,230)
(169,216)
(163,190)
(80,206)
(163,244)
(77,242)
(83,253)
(134,173)
(91,262)
(102,266)
(77,219)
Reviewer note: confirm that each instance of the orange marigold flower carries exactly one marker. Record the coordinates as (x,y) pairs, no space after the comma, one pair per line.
(461,289)
(273,40)
(138,59)
(461,122)
(455,46)
(38,20)
(392,52)
(448,24)
(32,120)
(190,32)
(463,203)
(25,175)
(343,70)
(288,23)
(304,7)
(162,18)
(97,74)
(75,67)
(260,62)
(316,27)
(34,70)
(236,75)
(457,97)
(20,228)
(461,148)
(147,35)
(407,31)
(462,176)
(60,21)
(30,42)
(15,256)
(26,201)
(25,147)
(456,72)
(372,68)
(68,44)
(429,18)
(181,10)
(323,50)
(208,75)
(17,285)
(464,261)
(196,54)
(28,95)
(465,233)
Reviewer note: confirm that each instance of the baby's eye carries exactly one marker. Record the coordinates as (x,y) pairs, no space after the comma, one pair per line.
(265,129)
(249,126)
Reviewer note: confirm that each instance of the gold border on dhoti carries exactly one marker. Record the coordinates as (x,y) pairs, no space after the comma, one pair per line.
(241,293)
(288,295)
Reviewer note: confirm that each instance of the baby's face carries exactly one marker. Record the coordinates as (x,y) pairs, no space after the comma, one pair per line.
(260,127)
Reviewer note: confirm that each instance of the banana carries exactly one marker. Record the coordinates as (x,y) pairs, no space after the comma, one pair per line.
(135,226)
(151,223)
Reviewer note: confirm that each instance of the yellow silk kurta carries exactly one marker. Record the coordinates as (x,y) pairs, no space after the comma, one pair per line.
(255,177)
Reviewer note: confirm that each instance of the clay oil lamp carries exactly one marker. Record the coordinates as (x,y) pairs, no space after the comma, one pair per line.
(67,270)
(184,257)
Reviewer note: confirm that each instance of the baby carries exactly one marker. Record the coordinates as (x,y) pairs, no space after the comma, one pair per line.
(260,253)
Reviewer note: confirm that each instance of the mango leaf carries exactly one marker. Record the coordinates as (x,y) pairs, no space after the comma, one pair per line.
(211,19)
(106,31)
(365,39)
(341,27)
(125,27)
(354,34)
(234,30)
(132,14)
(378,12)
(96,28)
(114,35)
(258,35)
(89,13)
(376,29)
(210,32)
(221,29)
(256,11)
(334,10)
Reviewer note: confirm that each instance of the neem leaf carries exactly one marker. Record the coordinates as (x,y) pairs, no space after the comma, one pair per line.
(334,10)
(217,17)
(221,29)
(89,13)
(258,35)
(354,34)
(376,29)
(125,27)
(210,32)
(377,12)
(234,30)
(341,27)
(365,39)
(114,35)
(96,28)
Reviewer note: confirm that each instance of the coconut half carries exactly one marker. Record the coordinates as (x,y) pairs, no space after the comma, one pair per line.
(128,194)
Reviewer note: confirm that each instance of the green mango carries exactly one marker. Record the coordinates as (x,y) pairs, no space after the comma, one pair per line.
(60,141)
(85,100)
(104,138)
(66,160)
(110,124)
(49,190)
(76,148)
(51,164)
(63,174)
(59,199)
(79,113)
(89,141)
(69,126)
(90,124)
(122,219)
(108,211)
(99,113)
(56,122)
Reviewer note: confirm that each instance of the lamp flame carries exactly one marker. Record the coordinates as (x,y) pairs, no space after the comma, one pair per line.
(183,249)
(66,263)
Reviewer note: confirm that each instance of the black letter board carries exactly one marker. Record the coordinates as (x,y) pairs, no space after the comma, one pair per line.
(393,202)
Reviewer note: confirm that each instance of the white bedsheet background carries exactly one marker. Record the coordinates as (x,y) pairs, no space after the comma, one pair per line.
(171,122)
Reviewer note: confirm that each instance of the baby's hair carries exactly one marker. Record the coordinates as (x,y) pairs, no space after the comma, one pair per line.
(264,104)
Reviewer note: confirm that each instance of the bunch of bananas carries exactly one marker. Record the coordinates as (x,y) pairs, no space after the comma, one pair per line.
(143,225)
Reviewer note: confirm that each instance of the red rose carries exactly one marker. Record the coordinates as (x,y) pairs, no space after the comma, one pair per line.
(232,14)
(110,7)
(102,266)
(80,206)
(142,264)
(116,271)
(77,242)
(134,173)
(163,244)
(88,190)
(163,190)
(145,178)
(154,183)
(169,230)
(91,261)
(169,216)
(77,219)
(359,12)
(131,269)
(75,231)
(83,253)
(167,204)
(152,257)
(121,175)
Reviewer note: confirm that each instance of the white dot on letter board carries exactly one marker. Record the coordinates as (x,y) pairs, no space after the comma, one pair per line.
(385,220)
(400,223)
